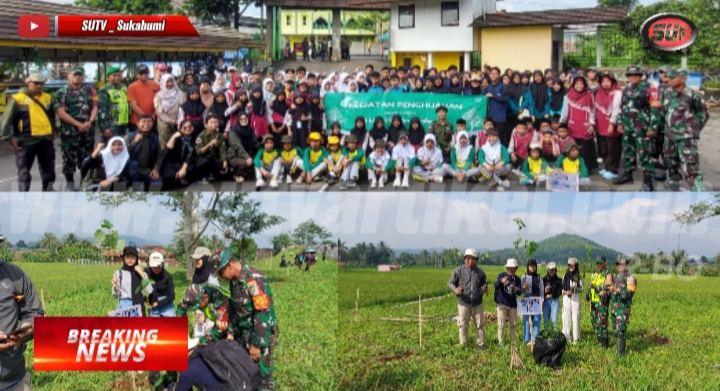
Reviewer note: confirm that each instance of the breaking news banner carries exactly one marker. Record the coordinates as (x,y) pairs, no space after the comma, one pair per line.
(111,344)
(124,26)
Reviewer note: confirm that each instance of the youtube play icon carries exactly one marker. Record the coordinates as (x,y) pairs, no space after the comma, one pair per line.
(33,26)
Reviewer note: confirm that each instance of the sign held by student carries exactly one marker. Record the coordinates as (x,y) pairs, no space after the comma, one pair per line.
(129,312)
(530,306)
(563,181)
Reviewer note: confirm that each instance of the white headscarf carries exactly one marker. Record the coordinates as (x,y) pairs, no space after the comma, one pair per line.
(244,77)
(433,154)
(114,164)
(357,88)
(268,95)
(322,87)
(218,86)
(282,73)
(169,97)
(462,153)
(340,86)
(493,152)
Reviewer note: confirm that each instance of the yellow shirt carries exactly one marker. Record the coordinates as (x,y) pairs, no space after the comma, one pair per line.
(288,156)
(535,165)
(269,157)
(336,156)
(571,166)
(315,155)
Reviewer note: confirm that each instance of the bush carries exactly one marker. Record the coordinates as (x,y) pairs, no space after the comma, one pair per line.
(711,84)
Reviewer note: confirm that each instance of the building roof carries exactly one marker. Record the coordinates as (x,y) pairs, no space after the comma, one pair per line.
(211,39)
(553,17)
(330,4)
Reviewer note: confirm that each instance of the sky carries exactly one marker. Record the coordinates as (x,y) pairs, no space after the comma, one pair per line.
(627,222)
(509,5)
(32,214)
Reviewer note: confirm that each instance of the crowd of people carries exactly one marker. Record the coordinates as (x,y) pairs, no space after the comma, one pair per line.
(245,313)
(610,297)
(271,127)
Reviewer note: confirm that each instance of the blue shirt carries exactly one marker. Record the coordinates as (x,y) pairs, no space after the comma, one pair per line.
(197,374)
(396,90)
(498,104)
(376,89)
(502,292)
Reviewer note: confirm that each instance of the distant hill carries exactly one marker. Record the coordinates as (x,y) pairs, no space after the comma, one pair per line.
(415,251)
(139,242)
(557,249)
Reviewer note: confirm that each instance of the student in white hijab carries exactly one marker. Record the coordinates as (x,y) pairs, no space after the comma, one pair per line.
(114,157)
(325,87)
(494,161)
(219,84)
(342,82)
(461,159)
(429,164)
(268,85)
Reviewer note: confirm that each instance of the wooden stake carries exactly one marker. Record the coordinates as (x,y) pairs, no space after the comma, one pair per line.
(357,304)
(133,380)
(42,299)
(532,334)
(420,318)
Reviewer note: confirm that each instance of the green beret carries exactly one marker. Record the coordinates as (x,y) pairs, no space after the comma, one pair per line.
(112,70)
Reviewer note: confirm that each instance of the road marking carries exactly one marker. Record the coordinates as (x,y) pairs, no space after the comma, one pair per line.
(323,188)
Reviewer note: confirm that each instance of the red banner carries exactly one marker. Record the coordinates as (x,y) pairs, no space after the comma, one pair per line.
(111,344)
(124,26)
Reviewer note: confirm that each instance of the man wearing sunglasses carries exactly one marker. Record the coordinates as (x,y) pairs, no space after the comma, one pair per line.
(29,124)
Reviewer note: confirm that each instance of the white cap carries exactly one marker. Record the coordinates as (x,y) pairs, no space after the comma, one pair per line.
(156,260)
(192,342)
(535,145)
(200,252)
(552,265)
(511,263)
(470,253)
(231,69)
(572,261)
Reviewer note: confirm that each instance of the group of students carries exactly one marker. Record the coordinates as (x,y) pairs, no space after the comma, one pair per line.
(469,283)
(244,313)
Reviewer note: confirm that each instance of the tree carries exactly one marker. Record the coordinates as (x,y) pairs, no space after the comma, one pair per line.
(700,211)
(186,203)
(612,3)
(70,239)
(208,11)
(21,244)
(250,248)
(49,241)
(238,217)
(280,241)
(310,234)
(109,238)
(130,7)
(5,254)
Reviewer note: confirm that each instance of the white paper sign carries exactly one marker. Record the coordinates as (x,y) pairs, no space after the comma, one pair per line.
(530,306)
(563,181)
(129,312)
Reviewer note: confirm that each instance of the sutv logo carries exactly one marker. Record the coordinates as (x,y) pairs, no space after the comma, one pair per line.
(669,32)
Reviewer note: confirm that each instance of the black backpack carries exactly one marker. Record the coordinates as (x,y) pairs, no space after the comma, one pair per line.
(231,364)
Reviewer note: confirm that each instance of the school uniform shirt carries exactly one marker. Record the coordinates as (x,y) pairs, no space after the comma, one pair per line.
(548,151)
(313,158)
(398,90)
(289,156)
(434,154)
(520,145)
(498,104)
(357,156)
(480,139)
(380,160)
(406,151)
(266,158)
(443,133)
(533,167)
(335,157)
(607,108)
(375,89)
(561,142)
(461,157)
(579,114)
(576,166)
(217,152)
(493,154)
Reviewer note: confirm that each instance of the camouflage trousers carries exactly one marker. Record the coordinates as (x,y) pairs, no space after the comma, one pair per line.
(683,160)
(637,146)
(266,363)
(620,318)
(75,149)
(599,320)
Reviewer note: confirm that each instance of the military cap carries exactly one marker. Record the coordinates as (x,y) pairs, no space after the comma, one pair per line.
(634,70)
(78,71)
(600,259)
(220,258)
(675,73)
(622,261)
(112,70)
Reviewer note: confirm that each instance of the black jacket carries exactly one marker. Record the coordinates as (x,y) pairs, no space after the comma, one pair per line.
(162,286)
(472,281)
(555,284)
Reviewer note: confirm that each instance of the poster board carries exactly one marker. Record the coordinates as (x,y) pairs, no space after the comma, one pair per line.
(130,312)
(530,306)
(563,181)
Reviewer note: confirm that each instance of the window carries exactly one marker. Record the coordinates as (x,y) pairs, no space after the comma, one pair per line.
(287,20)
(406,16)
(321,23)
(304,20)
(450,13)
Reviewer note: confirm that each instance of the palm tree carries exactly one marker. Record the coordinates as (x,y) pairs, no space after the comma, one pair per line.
(70,239)
(425,254)
(49,241)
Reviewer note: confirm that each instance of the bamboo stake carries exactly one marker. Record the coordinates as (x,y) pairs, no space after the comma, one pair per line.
(532,334)
(133,380)
(420,318)
(42,299)
(357,305)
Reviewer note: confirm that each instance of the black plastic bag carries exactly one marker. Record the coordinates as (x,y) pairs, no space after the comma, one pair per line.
(549,352)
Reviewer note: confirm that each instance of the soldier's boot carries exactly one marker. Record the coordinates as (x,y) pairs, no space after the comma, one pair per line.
(604,343)
(621,347)
(626,177)
(647,183)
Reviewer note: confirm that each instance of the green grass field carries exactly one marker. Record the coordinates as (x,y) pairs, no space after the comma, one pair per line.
(305,303)
(673,340)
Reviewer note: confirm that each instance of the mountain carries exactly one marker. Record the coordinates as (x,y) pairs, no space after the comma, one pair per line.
(415,251)
(139,242)
(557,249)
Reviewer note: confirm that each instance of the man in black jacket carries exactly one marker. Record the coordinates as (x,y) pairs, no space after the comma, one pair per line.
(469,283)
(553,291)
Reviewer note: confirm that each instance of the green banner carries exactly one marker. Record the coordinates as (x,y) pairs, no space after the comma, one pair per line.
(344,108)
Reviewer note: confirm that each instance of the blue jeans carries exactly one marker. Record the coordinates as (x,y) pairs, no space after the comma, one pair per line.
(526,326)
(550,312)
(166,311)
(124,303)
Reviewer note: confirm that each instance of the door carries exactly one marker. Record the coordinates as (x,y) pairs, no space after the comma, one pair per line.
(407,63)
(556,47)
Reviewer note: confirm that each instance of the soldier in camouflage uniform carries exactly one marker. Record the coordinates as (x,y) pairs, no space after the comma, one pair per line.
(114,108)
(622,290)
(599,295)
(658,154)
(77,106)
(214,302)
(253,322)
(685,116)
(640,115)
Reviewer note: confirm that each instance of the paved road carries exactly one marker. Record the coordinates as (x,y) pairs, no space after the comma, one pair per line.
(709,160)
